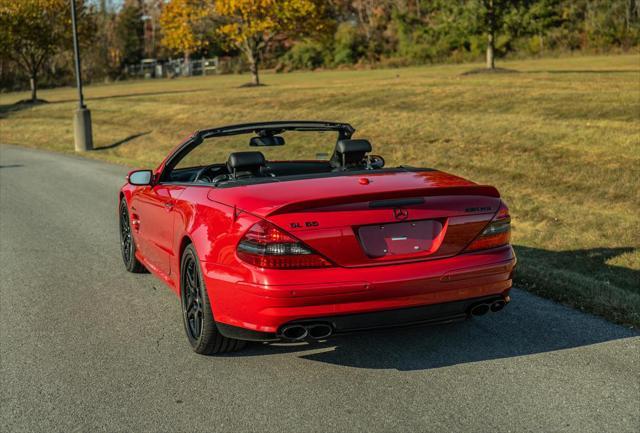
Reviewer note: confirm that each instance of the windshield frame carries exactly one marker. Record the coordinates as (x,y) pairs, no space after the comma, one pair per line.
(344,130)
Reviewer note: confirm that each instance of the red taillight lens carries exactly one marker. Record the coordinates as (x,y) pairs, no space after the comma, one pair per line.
(266,246)
(496,234)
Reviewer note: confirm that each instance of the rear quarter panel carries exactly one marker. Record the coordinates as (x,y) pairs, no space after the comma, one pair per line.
(214,230)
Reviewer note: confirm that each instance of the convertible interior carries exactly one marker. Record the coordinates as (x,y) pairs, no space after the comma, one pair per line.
(243,168)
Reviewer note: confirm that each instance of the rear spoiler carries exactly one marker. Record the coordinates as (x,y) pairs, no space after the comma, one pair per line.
(392,198)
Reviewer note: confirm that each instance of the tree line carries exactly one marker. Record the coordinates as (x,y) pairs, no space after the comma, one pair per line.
(35,35)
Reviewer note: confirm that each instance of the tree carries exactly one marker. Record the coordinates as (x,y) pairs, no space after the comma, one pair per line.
(251,25)
(186,26)
(540,16)
(32,31)
(493,17)
(129,32)
(493,8)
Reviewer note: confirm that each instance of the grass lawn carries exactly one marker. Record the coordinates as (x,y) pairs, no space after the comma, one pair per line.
(560,139)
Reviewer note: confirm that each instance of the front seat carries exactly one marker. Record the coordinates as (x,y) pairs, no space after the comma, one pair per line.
(246,164)
(350,154)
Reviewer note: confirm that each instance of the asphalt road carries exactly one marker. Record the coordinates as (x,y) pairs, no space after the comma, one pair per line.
(87,347)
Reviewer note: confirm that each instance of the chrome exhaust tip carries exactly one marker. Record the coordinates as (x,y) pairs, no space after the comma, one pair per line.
(480,309)
(294,332)
(319,331)
(497,306)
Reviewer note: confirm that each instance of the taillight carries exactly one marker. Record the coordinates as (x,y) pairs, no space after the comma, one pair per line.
(496,234)
(266,246)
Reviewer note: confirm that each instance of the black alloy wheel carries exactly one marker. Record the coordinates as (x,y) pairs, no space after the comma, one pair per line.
(197,314)
(192,298)
(127,244)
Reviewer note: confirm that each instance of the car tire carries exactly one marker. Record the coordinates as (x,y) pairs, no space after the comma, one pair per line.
(127,244)
(197,315)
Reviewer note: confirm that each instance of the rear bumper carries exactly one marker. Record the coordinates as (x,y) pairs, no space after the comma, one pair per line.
(357,298)
(435,314)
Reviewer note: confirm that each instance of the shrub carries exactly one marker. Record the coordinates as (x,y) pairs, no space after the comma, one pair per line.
(304,55)
(349,45)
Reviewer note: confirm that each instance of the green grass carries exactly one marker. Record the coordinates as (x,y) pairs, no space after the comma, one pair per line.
(560,139)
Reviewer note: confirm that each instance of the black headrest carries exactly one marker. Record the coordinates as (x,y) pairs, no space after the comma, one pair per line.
(245,161)
(353,146)
(349,153)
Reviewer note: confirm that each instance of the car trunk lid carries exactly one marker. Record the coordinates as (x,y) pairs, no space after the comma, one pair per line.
(378,218)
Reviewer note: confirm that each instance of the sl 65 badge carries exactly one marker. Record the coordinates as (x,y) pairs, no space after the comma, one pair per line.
(305,224)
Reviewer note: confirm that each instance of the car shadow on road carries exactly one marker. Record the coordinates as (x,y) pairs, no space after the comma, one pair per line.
(528,326)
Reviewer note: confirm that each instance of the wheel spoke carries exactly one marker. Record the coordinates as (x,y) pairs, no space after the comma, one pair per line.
(190,277)
(196,325)
(192,308)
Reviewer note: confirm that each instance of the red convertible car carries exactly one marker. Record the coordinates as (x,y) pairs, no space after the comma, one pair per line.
(273,250)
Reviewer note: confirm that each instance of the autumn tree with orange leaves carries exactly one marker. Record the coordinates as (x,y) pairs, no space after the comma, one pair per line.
(187,26)
(251,25)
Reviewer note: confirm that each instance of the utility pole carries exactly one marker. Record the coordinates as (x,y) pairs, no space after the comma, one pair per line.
(82,119)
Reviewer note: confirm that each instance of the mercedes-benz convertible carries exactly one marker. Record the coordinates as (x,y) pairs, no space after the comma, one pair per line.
(264,249)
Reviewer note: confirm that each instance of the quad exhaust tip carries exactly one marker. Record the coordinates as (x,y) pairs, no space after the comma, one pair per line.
(294,332)
(298,332)
(480,309)
(497,306)
(484,308)
(319,331)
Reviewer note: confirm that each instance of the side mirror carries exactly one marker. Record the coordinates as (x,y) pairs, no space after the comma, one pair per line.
(267,140)
(140,177)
